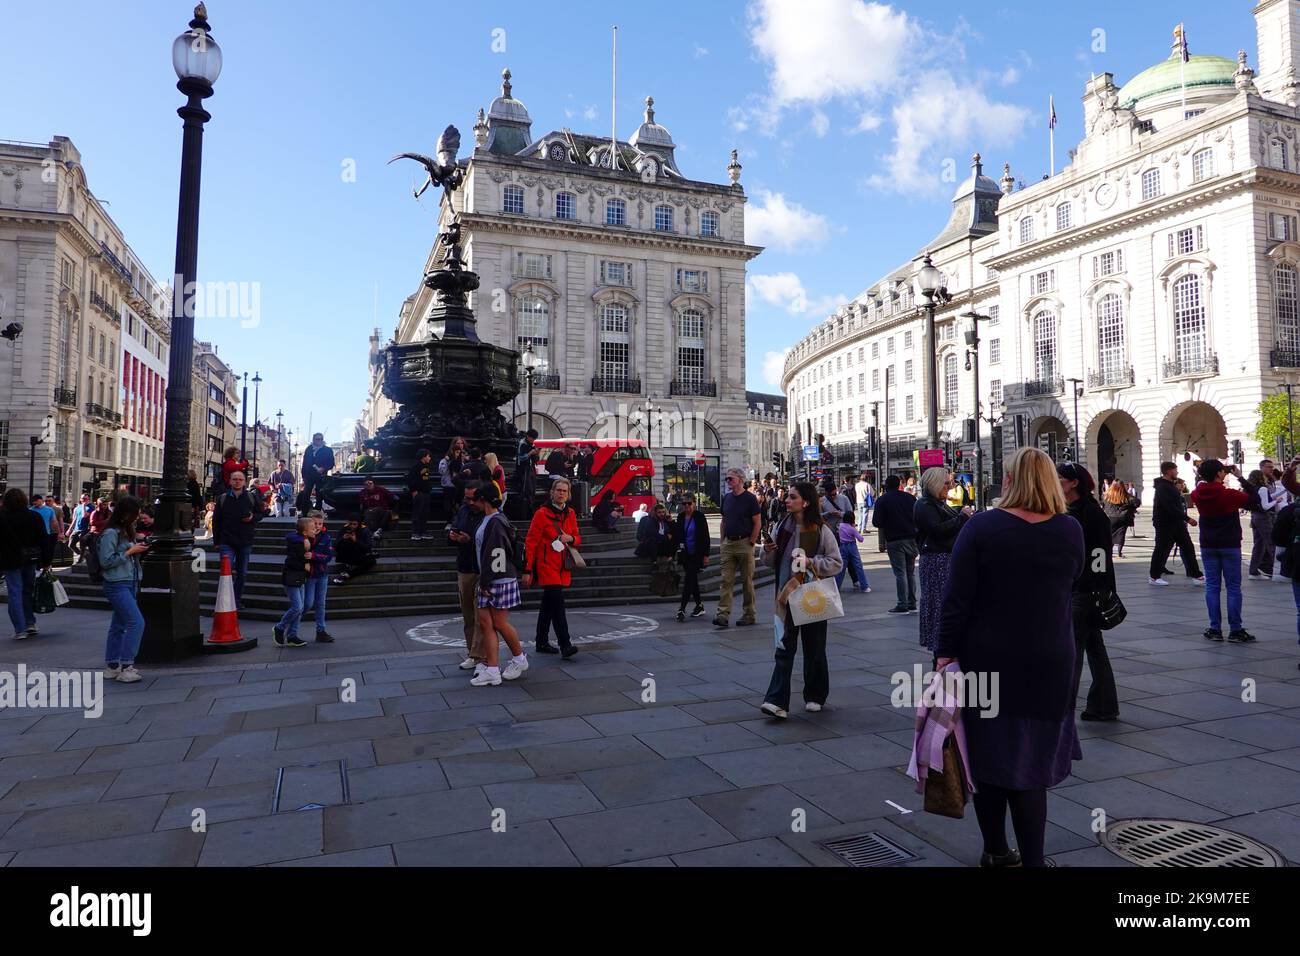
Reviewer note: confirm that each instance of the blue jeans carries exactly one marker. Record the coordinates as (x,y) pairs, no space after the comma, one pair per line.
(864,517)
(314,598)
(852,559)
(289,622)
(127,627)
(21,583)
(1295,593)
(238,565)
(1223,564)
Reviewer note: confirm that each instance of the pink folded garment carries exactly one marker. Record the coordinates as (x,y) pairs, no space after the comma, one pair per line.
(938,714)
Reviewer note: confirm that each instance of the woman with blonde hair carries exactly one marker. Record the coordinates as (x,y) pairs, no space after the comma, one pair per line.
(1006,618)
(498,473)
(1120,507)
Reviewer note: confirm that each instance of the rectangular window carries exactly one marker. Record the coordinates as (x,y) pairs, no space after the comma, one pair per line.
(991,274)
(848,386)
(1108,263)
(1064,216)
(907,340)
(1202,165)
(875,380)
(862,354)
(615,212)
(4,439)
(850,419)
(532,265)
(564,206)
(709,225)
(1027,229)
(860,380)
(692,280)
(1281,227)
(512,200)
(889,411)
(1186,241)
(1041,282)
(839,391)
(875,350)
(907,371)
(1150,184)
(664,218)
(995,391)
(839,421)
(690,364)
(995,314)
(889,346)
(909,409)
(615,273)
(995,351)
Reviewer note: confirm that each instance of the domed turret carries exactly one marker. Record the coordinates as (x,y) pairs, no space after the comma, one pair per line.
(651,133)
(509,125)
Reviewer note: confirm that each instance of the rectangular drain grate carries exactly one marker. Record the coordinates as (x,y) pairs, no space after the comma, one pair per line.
(869,849)
(312,786)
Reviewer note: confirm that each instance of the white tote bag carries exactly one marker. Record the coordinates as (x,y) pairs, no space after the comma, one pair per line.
(818,600)
(60,593)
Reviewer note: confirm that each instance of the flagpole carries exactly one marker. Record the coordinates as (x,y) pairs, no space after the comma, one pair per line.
(1051,134)
(613,111)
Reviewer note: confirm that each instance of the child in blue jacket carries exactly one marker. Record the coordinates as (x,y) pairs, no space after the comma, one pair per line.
(318,582)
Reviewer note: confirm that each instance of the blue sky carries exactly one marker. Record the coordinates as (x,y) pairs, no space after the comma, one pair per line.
(851,119)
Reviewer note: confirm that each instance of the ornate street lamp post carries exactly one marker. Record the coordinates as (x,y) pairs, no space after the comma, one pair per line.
(930,281)
(531,362)
(169,593)
(973,361)
(257,421)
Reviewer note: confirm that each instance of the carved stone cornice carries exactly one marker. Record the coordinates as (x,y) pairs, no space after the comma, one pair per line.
(567,230)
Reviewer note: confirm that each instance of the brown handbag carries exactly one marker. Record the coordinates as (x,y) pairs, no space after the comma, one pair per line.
(945,793)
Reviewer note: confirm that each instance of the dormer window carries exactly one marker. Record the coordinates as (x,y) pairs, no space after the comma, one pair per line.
(558,153)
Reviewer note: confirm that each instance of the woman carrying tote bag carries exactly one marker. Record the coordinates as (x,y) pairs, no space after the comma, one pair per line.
(801,529)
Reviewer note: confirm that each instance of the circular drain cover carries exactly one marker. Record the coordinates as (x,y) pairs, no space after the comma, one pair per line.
(1182,843)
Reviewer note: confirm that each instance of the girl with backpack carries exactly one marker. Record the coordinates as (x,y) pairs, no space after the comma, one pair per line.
(119,564)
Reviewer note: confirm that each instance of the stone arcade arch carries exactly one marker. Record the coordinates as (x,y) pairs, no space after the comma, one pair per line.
(1192,431)
(1043,428)
(1114,447)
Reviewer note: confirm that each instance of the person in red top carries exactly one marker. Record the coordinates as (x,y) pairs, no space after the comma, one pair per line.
(1219,507)
(232,464)
(100,516)
(376,503)
(554,528)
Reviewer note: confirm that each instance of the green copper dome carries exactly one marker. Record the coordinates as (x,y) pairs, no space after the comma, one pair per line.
(1199,71)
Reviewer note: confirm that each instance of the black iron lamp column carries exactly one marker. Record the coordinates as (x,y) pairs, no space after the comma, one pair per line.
(35,440)
(973,363)
(169,592)
(1076,386)
(243,422)
(930,281)
(531,362)
(279,435)
(257,422)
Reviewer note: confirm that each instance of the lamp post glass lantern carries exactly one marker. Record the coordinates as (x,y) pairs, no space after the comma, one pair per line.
(169,597)
(531,362)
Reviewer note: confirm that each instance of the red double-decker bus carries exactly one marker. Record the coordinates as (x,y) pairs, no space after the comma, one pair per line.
(620,465)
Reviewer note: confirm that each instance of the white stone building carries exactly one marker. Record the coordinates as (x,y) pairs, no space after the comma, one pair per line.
(628,282)
(766,432)
(1156,274)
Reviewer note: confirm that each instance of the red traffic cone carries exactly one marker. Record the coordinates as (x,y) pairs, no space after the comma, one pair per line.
(225,635)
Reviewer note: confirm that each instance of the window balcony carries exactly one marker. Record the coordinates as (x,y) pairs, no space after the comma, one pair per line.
(1046,386)
(706,389)
(1111,378)
(99,302)
(550,381)
(94,411)
(65,397)
(628,385)
(1281,357)
(946,411)
(1200,366)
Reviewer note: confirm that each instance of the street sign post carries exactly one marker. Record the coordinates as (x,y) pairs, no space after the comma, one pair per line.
(930,458)
(811,453)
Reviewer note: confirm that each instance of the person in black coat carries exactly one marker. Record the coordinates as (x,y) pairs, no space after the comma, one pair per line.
(22,535)
(893,515)
(233,519)
(317,463)
(691,533)
(1098,577)
(1171,521)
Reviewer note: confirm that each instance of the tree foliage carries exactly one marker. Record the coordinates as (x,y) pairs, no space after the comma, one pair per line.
(1272,414)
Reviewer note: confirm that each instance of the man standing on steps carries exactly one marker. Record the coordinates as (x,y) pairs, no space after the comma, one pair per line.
(236,513)
(741,525)
(281,489)
(1171,521)
(421,484)
(317,462)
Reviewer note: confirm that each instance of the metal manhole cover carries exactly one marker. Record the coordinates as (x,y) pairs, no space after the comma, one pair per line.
(1181,843)
(869,849)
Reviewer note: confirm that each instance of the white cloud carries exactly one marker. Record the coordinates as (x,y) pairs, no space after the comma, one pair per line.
(774,221)
(939,111)
(1010,76)
(785,290)
(867,123)
(701,51)
(821,124)
(774,367)
(590,113)
(821,49)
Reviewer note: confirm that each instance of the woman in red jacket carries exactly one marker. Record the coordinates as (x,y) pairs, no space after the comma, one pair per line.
(553,530)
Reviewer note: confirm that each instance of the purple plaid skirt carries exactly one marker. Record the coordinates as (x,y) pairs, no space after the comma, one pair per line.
(504,595)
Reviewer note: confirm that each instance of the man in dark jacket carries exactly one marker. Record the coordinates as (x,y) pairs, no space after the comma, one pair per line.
(1098,577)
(526,469)
(317,462)
(21,541)
(1219,507)
(236,513)
(355,551)
(376,503)
(420,482)
(691,534)
(893,516)
(460,532)
(1170,518)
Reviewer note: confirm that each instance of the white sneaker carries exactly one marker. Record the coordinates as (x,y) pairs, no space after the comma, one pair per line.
(112,673)
(1200,580)
(812,707)
(515,669)
(1158,583)
(468,664)
(128,675)
(774,711)
(487,677)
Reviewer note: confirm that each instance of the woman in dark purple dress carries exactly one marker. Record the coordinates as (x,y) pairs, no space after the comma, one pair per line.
(1006,618)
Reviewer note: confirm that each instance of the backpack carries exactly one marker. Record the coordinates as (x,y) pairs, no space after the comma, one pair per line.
(90,552)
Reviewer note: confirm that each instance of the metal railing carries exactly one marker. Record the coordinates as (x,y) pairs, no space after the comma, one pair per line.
(1284,358)
(99,302)
(114,261)
(677,387)
(548,380)
(65,397)
(1046,386)
(1111,378)
(631,385)
(1206,364)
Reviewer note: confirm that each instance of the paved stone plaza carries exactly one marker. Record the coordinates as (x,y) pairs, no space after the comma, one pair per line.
(588,774)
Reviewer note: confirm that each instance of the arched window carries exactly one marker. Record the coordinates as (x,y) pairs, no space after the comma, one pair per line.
(1150,184)
(950,383)
(533,325)
(616,212)
(615,343)
(565,206)
(690,347)
(1191,339)
(512,200)
(1277,154)
(1287,310)
(1045,345)
(1110,337)
(1027,229)
(1202,165)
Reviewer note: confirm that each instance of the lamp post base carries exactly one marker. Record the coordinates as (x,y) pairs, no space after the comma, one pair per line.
(169,601)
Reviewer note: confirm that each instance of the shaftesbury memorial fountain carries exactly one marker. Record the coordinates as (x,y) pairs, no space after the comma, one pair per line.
(449,386)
